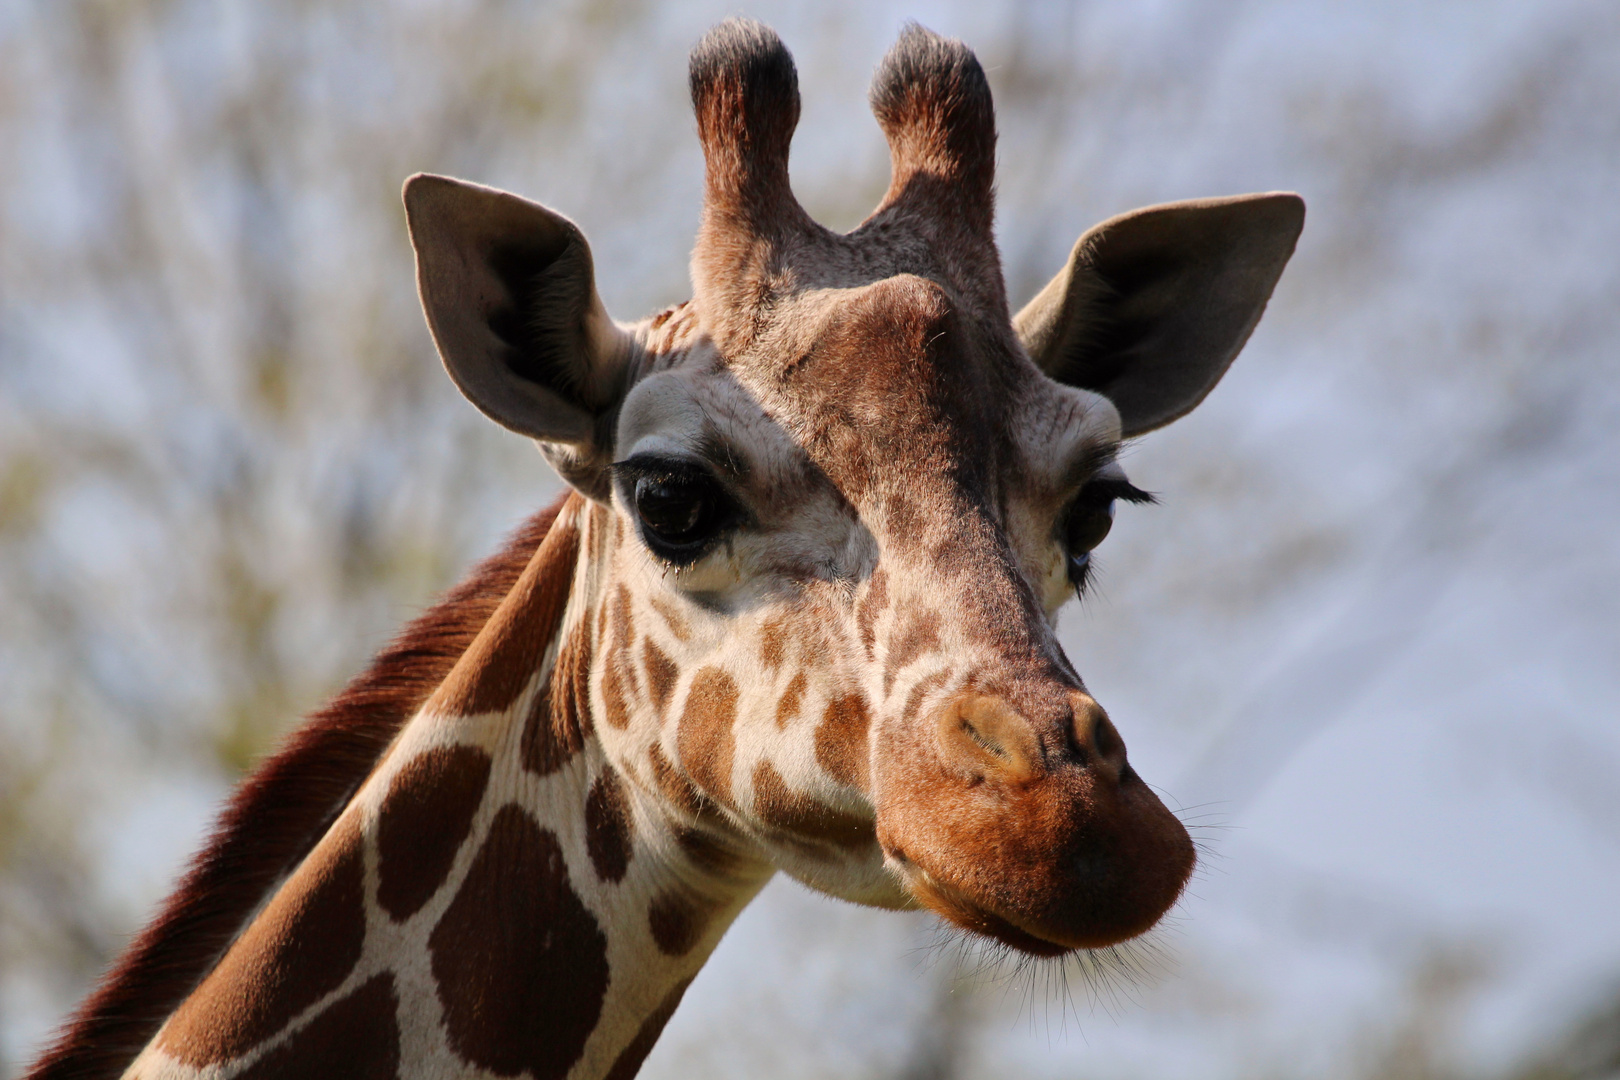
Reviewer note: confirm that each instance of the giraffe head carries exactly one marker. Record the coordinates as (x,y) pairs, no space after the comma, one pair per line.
(837,499)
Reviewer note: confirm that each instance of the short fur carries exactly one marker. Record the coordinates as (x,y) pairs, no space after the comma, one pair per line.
(274,819)
(745,92)
(933,102)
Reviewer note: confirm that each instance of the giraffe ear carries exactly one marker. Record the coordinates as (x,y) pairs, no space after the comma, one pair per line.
(510,296)
(1155,304)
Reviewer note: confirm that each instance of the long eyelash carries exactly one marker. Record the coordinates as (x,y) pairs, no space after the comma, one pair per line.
(1087,573)
(1123,490)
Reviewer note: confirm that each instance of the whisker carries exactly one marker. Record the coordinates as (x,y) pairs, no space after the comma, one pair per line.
(1112,980)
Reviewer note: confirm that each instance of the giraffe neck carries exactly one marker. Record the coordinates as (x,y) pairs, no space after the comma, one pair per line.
(496,895)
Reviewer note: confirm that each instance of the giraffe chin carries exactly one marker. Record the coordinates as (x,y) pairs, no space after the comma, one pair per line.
(1013,931)
(957,909)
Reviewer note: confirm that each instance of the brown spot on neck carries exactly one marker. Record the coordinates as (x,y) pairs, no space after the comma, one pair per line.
(624,628)
(841,740)
(806,819)
(618,676)
(672,618)
(354,1038)
(424,820)
(630,1058)
(661,674)
(773,644)
(788,707)
(560,718)
(705,739)
(508,651)
(520,962)
(297,951)
(674,787)
(608,826)
(677,921)
(615,708)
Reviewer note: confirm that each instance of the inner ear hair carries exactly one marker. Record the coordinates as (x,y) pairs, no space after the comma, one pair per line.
(1154,305)
(509,292)
(550,293)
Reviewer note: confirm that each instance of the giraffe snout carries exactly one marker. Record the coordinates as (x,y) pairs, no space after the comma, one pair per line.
(1027,825)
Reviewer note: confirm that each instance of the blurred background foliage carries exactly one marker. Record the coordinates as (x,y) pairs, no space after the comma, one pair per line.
(1369,641)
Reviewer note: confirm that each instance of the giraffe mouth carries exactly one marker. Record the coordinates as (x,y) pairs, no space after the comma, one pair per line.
(958,908)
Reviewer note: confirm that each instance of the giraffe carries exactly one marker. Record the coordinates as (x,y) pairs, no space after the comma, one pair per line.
(795,613)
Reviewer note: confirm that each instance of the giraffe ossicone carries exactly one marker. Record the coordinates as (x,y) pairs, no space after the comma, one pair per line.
(796,613)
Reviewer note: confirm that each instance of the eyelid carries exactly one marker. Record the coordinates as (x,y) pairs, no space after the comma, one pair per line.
(643,464)
(1089,463)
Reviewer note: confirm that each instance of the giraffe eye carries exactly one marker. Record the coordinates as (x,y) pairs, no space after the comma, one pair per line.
(681,508)
(672,510)
(1085,524)
(1085,527)
(1088,524)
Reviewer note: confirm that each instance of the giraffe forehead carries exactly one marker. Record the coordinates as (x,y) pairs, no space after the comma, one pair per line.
(889,373)
(868,392)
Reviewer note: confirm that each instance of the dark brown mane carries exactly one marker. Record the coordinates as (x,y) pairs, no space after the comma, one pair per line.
(275,817)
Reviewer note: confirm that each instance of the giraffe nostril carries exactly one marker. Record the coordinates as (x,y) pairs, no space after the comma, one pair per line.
(1077,746)
(988,738)
(1102,733)
(990,745)
(1092,736)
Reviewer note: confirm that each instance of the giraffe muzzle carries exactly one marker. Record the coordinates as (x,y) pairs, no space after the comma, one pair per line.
(1034,832)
